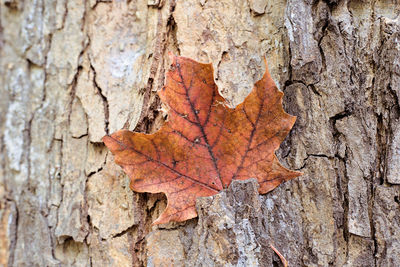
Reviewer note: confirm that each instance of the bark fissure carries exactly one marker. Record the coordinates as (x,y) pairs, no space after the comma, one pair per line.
(336,61)
(104,99)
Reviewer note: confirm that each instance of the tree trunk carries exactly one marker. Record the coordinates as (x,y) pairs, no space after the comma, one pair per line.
(74,71)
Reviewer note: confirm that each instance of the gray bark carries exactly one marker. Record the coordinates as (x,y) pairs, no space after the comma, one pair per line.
(73,71)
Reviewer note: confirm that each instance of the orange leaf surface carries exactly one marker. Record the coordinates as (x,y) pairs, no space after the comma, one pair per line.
(205,145)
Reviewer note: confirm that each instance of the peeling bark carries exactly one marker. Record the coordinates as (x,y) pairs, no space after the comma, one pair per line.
(73,71)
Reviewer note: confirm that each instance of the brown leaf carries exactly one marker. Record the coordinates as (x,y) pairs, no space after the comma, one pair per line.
(204,145)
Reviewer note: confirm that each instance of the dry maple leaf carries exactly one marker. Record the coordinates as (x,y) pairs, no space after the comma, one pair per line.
(205,145)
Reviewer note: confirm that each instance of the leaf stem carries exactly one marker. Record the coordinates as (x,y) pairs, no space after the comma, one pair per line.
(284,261)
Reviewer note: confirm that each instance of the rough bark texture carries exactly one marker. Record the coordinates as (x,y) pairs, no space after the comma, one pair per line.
(73,71)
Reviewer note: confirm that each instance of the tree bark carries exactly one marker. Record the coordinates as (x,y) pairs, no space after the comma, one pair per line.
(74,71)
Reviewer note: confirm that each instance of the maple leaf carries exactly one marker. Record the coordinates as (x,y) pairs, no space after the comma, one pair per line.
(205,145)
